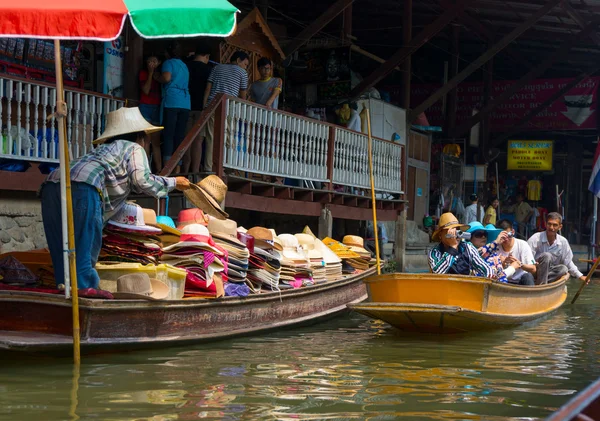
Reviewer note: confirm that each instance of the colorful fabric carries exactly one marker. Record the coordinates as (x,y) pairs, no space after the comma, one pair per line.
(452,260)
(227,79)
(116,170)
(534,190)
(489,252)
(104,21)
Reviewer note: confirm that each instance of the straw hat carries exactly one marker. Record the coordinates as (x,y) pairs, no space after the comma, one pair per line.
(291,248)
(131,217)
(195,235)
(208,195)
(447,221)
(151,219)
(356,244)
(277,244)
(124,121)
(225,230)
(263,237)
(140,286)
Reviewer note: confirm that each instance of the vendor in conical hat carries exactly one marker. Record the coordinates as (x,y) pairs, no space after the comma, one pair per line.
(453,255)
(100,184)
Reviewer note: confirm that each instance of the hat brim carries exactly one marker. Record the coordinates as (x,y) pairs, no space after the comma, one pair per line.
(229,239)
(205,202)
(160,291)
(203,246)
(436,234)
(166,229)
(144,228)
(115,132)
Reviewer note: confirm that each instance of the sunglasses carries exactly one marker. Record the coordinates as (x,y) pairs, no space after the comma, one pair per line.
(479,234)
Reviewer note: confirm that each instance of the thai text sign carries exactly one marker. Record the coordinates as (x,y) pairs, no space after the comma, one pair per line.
(575,110)
(531,155)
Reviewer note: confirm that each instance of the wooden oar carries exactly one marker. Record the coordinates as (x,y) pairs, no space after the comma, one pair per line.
(587,279)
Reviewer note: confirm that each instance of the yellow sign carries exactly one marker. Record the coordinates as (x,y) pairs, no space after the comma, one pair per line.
(530,155)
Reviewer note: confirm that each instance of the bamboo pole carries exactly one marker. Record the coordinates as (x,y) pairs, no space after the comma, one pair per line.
(587,280)
(66,202)
(373,193)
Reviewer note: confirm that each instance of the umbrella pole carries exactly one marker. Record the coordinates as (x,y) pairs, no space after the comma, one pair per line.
(373,193)
(67,203)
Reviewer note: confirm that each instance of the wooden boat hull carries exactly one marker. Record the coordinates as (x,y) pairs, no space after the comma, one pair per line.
(40,322)
(585,406)
(431,303)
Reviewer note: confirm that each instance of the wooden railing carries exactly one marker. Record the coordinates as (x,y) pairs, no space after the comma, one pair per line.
(254,139)
(28,133)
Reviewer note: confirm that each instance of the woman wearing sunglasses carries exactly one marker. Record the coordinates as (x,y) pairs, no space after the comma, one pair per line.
(487,241)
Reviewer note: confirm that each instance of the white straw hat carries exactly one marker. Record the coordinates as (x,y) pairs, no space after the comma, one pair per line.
(124,121)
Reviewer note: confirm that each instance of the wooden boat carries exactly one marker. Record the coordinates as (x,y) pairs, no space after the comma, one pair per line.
(432,303)
(42,322)
(585,406)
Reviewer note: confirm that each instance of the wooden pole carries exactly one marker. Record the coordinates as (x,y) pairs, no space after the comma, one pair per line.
(65,164)
(587,279)
(374,204)
(499,46)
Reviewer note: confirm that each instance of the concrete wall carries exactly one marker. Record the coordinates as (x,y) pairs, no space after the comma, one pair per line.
(21,226)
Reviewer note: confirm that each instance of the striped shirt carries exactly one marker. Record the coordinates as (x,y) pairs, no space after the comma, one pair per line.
(116,170)
(227,79)
(441,261)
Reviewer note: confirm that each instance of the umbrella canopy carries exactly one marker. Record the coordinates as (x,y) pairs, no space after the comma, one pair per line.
(104,20)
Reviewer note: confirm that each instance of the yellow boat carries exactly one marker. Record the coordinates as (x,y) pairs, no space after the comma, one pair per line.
(431,303)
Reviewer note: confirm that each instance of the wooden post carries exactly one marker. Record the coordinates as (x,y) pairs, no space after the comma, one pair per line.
(499,46)
(407,65)
(219,139)
(134,63)
(330,156)
(452,95)
(325,223)
(400,240)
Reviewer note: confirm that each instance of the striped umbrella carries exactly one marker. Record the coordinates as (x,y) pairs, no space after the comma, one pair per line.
(103,20)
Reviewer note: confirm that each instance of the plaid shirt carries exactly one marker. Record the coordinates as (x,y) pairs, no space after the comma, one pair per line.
(116,170)
(440,261)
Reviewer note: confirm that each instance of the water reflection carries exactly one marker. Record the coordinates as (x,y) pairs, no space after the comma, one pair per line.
(351,368)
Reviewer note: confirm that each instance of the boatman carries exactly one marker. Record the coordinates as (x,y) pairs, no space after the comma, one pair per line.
(453,255)
(100,184)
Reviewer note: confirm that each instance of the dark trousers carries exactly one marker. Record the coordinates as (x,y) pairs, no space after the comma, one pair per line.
(175,122)
(88,223)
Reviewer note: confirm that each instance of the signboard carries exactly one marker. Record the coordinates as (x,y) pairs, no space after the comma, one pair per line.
(113,68)
(529,155)
(575,110)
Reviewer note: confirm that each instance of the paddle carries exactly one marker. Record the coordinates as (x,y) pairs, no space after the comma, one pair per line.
(587,279)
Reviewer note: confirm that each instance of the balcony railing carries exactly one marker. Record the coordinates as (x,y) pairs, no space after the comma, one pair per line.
(29,128)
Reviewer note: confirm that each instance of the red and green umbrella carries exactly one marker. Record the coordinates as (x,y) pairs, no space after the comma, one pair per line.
(103,20)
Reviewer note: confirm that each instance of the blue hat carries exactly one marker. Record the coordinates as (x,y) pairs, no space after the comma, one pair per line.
(492,231)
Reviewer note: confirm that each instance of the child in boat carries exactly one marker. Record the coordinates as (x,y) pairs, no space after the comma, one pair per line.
(453,255)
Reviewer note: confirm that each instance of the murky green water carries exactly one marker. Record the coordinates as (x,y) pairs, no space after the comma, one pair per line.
(349,368)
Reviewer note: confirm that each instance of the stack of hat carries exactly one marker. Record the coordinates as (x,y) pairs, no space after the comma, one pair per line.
(198,254)
(170,235)
(344,253)
(357,245)
(209,195)
(295,266)
(333,263)
(264,267)
(224,233)
(127,237)
(315,257)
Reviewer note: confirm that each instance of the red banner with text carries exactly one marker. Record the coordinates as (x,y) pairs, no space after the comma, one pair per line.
(575,110)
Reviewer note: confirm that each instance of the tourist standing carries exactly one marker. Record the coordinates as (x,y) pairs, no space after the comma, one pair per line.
(491,213)
(199,72)
(474,212)
(176,100)
(150,98)
(230,79)
(266,91)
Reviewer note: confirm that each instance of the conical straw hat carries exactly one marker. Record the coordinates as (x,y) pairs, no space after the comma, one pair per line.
(124,121)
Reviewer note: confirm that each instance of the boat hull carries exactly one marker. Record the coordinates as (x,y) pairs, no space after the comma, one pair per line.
(430,303)
(39,322)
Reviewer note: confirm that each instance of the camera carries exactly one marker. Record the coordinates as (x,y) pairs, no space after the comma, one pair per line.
(461,235)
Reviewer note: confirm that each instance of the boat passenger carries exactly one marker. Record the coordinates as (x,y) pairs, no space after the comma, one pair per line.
(453,255)
(552,252)
(514,250)
(488,241)
(100,184)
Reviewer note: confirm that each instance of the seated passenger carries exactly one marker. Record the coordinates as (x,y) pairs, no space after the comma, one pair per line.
(552,253)
(487,240)
(453,255)
(516,251)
